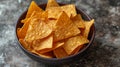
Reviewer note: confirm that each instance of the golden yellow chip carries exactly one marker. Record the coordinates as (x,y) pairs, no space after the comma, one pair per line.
(72,43)
(88,25)
(54,12)
(18,29)
(55,45)
(60,52)
(65,28)
(37,30)
(70,10)
(33,7)
(78,21)
(25,44)
(22,32)
(45,55)
(51,24)
(46,43)
(40,15)
(52,3)
(26,19)
(77,49)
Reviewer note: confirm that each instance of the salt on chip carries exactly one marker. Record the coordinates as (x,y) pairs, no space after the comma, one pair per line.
(55,46)
(54,12)
(52,3)
(22,32)
(60,52)
(78,21)
(37,30)
(65,28)
(33,7)
(72,43)
(88,25)
(43,44)
(70,10)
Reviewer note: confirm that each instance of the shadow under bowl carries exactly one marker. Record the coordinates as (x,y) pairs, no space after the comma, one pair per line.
(55,61)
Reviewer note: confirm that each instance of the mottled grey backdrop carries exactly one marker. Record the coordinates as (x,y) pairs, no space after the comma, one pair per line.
(105,51)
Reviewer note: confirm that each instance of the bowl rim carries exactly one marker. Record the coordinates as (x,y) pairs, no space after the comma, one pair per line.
(56,59)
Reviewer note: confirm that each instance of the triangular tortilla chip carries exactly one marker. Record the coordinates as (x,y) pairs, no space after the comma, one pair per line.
(60,52)
(78,21)
(51,24)
(54,12)
(65,28)
(26,19)
(33,7)
(45,55)
(70,10)
(88,25)
(55,46)
(72,43)
(52,3)
(37,30)
(77,49)
(22,32)
(25,44)
(18,29)
(40,15)
(42,44)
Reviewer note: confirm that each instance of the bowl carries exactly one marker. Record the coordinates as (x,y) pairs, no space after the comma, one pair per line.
(56,61)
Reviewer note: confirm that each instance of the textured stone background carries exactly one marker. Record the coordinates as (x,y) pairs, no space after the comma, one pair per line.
(105,51)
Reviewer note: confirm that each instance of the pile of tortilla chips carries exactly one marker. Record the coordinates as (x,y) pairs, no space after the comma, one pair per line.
(56,32)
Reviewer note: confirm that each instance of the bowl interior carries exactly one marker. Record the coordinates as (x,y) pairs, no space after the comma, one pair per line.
(62,60)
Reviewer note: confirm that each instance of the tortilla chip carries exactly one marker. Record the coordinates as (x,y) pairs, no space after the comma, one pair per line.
(52,3)
(78,21)
(40,15)
(60,52)
(88,25)
(22,32)
(64,28)
(33,7)
(45,55)
(55,46)
(77,49)
(24,20)
(70,10)
(46,43)
(54,12)
(37,30)
(25,44)
(72,43)
(51,24)
(18,29)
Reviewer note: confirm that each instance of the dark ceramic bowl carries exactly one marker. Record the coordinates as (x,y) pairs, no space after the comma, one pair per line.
(55,61)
